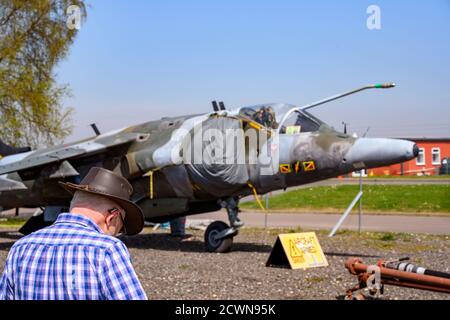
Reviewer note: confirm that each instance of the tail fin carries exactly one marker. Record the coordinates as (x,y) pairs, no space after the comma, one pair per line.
(7,150)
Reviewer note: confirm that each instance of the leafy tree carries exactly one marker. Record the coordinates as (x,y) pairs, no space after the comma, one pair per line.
(34,37)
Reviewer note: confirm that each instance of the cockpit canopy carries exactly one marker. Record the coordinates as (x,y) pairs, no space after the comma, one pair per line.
(286,118)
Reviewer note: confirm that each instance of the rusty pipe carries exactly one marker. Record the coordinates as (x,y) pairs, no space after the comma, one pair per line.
(400,278)
(363,277)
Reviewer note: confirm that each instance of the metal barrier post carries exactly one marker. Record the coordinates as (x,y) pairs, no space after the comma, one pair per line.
(360,202)
(344,216)
(267,207)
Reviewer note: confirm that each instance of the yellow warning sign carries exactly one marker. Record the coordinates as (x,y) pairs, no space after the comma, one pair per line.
(309,166)
(285,168)
(297,251)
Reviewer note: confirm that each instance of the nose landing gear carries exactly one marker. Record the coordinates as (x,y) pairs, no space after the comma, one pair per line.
(219,236)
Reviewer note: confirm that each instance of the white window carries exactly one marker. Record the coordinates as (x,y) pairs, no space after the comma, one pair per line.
(420,160)
(436,155)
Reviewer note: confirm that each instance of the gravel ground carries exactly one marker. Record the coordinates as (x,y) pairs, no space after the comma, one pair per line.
(170,269)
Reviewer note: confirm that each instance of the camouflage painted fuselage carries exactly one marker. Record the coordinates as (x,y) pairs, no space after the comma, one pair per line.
(167,185)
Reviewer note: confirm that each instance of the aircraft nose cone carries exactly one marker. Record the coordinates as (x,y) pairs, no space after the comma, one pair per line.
(415,150)
(378,152)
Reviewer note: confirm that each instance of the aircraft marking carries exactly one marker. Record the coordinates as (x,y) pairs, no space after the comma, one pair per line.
(285,168)
(309,166)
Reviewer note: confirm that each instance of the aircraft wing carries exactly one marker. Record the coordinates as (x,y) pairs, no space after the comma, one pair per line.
(34,159)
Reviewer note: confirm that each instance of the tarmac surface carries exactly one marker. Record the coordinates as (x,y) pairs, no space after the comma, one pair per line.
(325,221)
(406,222)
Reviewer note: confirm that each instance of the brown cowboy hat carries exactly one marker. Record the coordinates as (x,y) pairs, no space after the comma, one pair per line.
(107,184)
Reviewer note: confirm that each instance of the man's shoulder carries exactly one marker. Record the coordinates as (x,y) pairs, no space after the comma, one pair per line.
(57,235)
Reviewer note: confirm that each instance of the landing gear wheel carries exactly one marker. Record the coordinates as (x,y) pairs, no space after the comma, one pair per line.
(217,245)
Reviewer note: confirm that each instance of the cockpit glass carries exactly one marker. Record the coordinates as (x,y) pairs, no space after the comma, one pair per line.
(299,122)
(271,115)
(263,115)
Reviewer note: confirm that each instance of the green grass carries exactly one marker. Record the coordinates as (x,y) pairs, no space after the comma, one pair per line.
(412,177)
(387,237)
(12,223)
(382,198)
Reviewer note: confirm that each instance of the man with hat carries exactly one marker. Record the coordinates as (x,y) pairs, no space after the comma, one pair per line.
(78,257)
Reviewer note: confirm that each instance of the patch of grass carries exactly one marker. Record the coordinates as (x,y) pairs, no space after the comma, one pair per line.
(270,231)
(384,245)
(183,267)
(401,242)
(351,235)
(440,177)
(382,198)
(387,237)
(12,223)
(383,236)
(316,279)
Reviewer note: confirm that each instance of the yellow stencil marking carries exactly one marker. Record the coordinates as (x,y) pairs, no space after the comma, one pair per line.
(285,168)
(297,167)
(309,166)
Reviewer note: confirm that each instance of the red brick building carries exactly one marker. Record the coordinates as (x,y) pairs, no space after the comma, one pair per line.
(431,153)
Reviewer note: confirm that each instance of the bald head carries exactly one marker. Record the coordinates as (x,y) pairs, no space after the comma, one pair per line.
(92,201)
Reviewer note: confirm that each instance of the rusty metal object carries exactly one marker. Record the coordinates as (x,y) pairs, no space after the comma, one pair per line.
(394,277)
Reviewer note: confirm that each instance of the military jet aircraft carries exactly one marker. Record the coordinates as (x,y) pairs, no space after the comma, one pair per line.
(194,164)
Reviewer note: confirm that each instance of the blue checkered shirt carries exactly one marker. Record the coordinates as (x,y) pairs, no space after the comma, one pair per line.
(70,260)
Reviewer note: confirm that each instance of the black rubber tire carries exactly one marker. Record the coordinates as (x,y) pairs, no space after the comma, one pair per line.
(220,246)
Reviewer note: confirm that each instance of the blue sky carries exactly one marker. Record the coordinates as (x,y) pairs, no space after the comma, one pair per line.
(139,60)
